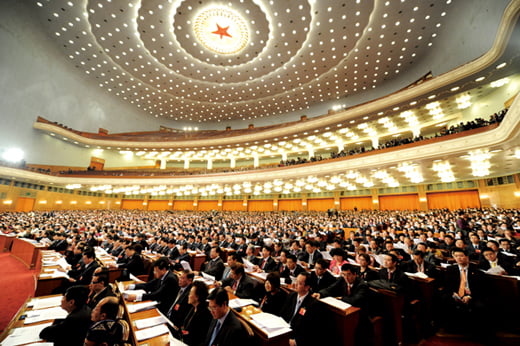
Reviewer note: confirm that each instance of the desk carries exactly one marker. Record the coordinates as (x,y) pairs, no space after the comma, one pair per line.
(160,340)
(196,260)
(26,251)
(6,241)
(261,338)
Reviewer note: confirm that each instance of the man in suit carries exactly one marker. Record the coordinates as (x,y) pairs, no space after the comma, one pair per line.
(225,329)
(99,289)
(241,246)
(180,307)
(117,248)
(302,312)
(133,262)
(83,276)
(349,288)
(163,288)
(292,269)
(266,263)
(321,278)
(232,258)
(418,264)
(215,266)
(105,329)
(311,255)
(72,330)
(239,283)
(491,259)
(172,252)
(391,273)
(183,256)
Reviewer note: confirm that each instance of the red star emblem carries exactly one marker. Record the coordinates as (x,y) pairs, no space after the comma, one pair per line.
(221,31)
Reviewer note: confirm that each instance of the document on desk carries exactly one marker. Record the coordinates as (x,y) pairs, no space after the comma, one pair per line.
(176,342)
(271,324)
(141,306)
(54,274)
(149,333)
(336,303)
(44,303)
(239,302)
(34,316)
(261,276)
(24,335)
(150,322)
(417,275)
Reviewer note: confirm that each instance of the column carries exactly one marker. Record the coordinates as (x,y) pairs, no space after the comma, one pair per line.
(311,152)
(256,160)
(232,162)
(186,163)
(210,163)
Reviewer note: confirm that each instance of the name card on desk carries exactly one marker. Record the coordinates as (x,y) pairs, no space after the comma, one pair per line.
(336,303)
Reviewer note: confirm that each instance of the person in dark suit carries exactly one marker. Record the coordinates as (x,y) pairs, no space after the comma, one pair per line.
(163,288)
(99,289)
(72,330)
(225,329)
(266,263)
(304,314)
(491,259)
(196,323)
(180,307)
(274,297)
(239,283)
(292,269)
(172,252)
(183,256)
(311,254)
(366,273)
(418,264)
(215,266)
(133,262)
(105,329)
(83,276)
(321,278)
(393,277)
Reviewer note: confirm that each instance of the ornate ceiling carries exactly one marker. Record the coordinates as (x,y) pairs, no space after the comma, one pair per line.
(211,61)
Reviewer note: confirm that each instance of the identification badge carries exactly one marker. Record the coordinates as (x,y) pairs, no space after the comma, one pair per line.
(302,311)
(176,308)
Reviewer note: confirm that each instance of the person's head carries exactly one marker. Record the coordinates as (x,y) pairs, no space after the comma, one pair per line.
(311,246)
(422,247)
(460,256)
(183,249)
(489,254)
(283,256)
(233,258)
(214,252)
(74,298)
(303,283)
(493,244)
(99,282)
(198,293)
(418,257)
(88,256)
(474,238)
(505,244)
(321,266)
(390,261)
(250,250)
(218,302)
(338,255)
(106,309)
(186,278)
(237,271)
(364,260)
(266,251)
(460,243)
(291,261)
(272,282)
(349,273)
(160,267)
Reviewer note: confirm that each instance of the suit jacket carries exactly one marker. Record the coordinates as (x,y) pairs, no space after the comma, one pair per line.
(501,261)
(315,257)
(94,299)
(306,323)
(398,277)
(71,330)
(359,292)
(84,275)
(474,277)
(411,267)
(172,253)
(117,251)
(180,307)
(161,290)
(195,325)
(270,264)
(273,303)
(287,273)
(134,265)
(231,333)
(246,286)
(368,275)
(214,267)
(326,280)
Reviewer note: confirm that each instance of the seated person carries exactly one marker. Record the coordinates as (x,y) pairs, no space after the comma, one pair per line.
(132,262)
(239,283)
(391,277)
(266,263)
(274,297)
(225,328)
(163,288)
(232,258)
(292,269)
(183,256)
(105,331)
(71,330)
(338,259)
(418,265)
(311,254)
(180,306)
(321,278)
(99,289)
(83,276)
(215,266)
(366,273)
(195,326)
(491,259)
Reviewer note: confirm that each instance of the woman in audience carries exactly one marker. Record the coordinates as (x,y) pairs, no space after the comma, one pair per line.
(338,259)
(274,297)
(196,324)
(365,272)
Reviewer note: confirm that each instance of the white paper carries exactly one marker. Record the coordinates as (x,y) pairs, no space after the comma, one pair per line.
(417,275)
(49,314)
(185,265)
(175,342)
(239,302)
(270,324)
(326,255)
(43,303)
(148,333)
(208,277)
(336,303)
(149,322)
(495,271)
(25,335)
(248,265)
(141,306)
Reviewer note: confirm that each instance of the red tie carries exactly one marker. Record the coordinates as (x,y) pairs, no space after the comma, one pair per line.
(389,276)
(235,285)
(348,290)
(263,263)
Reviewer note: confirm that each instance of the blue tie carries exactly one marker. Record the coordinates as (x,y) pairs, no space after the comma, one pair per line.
(215,332)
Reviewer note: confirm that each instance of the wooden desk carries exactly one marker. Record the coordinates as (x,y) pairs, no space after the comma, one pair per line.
(6,242)
(26,251)
(345,323)
(196,260)
(160,340)
(261,338)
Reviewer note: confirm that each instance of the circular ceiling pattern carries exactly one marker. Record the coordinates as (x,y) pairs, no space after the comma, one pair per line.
(168,57)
